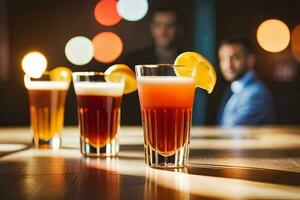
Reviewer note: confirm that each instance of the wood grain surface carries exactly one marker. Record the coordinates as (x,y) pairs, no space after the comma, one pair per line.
(239,163)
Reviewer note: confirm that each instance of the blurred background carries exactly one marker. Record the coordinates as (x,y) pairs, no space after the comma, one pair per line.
(47,25)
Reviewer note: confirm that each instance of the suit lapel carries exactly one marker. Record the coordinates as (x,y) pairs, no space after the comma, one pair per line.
(234,100)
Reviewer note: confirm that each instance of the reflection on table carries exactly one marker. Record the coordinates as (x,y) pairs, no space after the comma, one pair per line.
(240,163)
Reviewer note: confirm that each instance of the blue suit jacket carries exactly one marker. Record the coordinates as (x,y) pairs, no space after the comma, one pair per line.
(250,104)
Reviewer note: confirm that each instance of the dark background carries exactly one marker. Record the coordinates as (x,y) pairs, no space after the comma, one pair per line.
(46,26)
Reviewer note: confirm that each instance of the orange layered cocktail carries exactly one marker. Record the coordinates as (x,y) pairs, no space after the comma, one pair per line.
(166,102)
(166,94)
(166,106)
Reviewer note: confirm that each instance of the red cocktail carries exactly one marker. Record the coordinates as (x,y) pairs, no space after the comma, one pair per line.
(99,110)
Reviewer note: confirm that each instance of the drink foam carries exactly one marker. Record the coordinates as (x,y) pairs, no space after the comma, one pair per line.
(99,89)
(165,80)
(166,91)
(47,85)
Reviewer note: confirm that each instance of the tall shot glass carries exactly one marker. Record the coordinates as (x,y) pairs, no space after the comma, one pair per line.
(47,104)
(166,102)
(99,111)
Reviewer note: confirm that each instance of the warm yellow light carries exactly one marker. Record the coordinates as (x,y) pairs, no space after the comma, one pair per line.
(273,35)
(34,64)
(55,143)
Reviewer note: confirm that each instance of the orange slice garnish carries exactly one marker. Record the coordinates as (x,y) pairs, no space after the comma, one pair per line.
(199,68)
(121,72)
(61,74)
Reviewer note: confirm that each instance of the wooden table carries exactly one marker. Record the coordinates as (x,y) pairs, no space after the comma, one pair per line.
(241,163)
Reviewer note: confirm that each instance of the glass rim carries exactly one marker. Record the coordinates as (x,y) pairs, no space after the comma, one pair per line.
(37,84)
(95,76)
(88,73)
(161,66)
(28,78)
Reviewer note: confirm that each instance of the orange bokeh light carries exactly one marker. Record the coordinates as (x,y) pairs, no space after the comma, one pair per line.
(106,13)
(295,42)
(108,47)
(273,35)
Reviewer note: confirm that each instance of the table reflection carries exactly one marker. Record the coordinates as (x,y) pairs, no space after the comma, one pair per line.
(53,184)
(156,182)
(93,178)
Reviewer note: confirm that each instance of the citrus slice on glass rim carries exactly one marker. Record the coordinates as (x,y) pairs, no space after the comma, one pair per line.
(199,68)
(120,71)
(61,74)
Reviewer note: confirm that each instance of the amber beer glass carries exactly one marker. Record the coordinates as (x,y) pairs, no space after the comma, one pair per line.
(166,105)
(99,111)
(47,102)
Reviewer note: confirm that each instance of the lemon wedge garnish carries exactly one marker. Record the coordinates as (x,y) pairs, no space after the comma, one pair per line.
(199,68)
(121,72)
(61,74)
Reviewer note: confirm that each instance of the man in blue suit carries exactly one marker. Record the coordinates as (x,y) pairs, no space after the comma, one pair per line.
(247,101)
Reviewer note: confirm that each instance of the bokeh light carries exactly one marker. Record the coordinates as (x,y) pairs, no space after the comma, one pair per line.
(285,71)
(79,50)
(295,42)
(273,35)
(106,13)
(132,10)
(108,47)
(34,64)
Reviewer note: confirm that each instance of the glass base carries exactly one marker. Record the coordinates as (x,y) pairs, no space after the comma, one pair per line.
(108,150)
(54,143)
(177,160)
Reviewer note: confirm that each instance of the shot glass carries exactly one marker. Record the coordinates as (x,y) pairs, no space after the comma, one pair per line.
(47,104)
(99,111)
(166,102)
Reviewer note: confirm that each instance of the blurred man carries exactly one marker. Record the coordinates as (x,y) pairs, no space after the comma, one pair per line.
(165,29)
(247,101)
